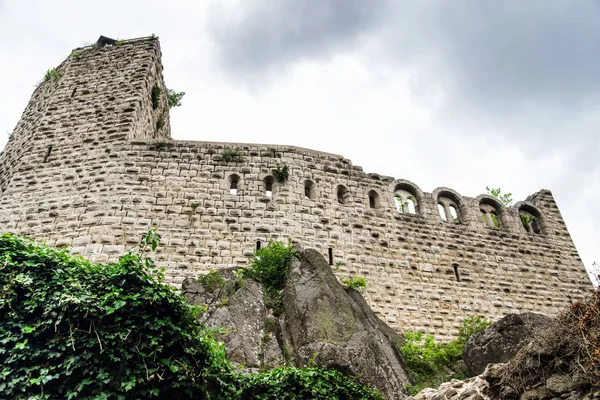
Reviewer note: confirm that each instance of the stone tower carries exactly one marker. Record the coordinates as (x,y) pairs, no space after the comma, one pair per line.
(91,166)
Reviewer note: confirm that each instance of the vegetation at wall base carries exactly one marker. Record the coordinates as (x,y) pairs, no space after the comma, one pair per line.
(569,348)
(72,329)
(430,363)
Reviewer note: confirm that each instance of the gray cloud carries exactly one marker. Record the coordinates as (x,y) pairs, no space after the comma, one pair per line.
(261,35)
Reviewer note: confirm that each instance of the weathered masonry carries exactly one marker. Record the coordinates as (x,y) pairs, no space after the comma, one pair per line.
(91,166)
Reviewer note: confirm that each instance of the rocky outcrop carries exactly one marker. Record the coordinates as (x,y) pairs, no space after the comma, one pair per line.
(239,311)
(320,322)
(476,388)
(501,341)
(489,386)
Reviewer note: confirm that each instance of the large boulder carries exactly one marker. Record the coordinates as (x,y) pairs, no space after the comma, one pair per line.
(320,323)
(501,341)
(335,328)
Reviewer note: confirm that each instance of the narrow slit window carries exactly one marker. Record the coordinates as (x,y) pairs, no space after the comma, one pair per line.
(330,256)
(374,199)
(268,183)
(48,152)
(455,266)
(233,184)
(309,190)
(258,245)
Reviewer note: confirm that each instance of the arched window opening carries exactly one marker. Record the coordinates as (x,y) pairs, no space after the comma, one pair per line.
(343,194)
(455,266)
(258,245)
(442,212)
(268,185)
(448,209)
(374,201)
(490,214)
(330,256)
(309,190)
(233,184)
(405,201)
(530,220)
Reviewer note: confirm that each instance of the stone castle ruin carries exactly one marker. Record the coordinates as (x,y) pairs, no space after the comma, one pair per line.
(91,166)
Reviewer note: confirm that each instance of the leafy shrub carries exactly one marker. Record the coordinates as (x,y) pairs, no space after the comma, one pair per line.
(211,281)
(356,282)
(308,383)
(430,363)
(71,329)
(269,266)
(234,155)
(174,98)
(281,173)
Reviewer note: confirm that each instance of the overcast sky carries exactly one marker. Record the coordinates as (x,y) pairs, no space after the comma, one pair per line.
(456,93)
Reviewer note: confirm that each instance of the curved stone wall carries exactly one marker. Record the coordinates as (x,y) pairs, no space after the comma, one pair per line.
(107,182)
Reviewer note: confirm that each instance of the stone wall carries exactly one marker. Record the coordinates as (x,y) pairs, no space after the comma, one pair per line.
(111,174)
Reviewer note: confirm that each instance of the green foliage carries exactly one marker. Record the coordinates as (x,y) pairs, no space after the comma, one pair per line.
(155,96)
(174,98)
(526,220)
(430,363)
(281,173)
(505,198)
(51,74)
(211,281)
(75,55)
(234,155)
(71,329)
(495,220)
(269,266)
(401,204)
(356,282)
(119,42)
(284,383)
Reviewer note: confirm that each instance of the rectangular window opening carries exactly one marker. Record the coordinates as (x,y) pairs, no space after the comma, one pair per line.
(330,256)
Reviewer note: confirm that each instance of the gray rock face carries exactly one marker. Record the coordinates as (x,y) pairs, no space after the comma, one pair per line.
(337,329)
(501,341)
(242,313)
(321,322)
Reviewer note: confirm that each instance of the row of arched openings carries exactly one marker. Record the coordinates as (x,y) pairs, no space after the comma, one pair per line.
(406,203)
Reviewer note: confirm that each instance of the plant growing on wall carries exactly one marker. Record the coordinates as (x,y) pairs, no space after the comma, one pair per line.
(232,155)
(51,74)
(526,220)
(281,173)
(174,98)
(356,282)
(402,204)
(505,198)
